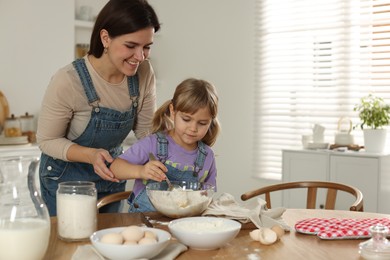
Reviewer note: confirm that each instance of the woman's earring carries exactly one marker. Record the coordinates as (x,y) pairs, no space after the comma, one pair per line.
(105,50)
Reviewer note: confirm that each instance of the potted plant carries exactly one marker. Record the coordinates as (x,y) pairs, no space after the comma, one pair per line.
(374,114)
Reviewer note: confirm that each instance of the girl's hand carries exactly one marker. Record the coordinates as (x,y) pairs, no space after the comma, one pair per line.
(154,170)
(98,160)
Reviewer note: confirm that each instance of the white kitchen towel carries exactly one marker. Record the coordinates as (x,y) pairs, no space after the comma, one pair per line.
(254,210)
(173,250)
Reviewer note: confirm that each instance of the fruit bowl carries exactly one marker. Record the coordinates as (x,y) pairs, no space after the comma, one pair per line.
(185,200)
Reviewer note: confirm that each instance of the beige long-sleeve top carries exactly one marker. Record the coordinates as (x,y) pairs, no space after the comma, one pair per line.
(65,111)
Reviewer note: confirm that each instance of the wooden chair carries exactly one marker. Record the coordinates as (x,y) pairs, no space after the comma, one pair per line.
(312,187)
(113,198)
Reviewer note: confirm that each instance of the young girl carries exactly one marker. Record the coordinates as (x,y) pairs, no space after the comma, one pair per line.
(183,130)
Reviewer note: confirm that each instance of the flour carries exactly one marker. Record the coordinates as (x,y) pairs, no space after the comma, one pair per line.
(179,202)
(202,227)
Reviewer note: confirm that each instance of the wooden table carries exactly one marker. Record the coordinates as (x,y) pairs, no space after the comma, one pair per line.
(291,246)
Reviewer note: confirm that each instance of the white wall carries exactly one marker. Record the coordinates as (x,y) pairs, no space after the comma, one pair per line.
(36,39)
(210,39)
(214,40)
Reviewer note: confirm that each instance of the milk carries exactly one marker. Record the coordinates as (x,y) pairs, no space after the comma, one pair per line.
(76,216)
(24,239)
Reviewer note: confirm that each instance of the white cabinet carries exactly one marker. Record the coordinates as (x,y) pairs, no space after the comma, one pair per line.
(368,172)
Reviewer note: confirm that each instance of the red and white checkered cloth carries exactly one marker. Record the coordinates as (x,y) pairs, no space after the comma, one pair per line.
(333,228)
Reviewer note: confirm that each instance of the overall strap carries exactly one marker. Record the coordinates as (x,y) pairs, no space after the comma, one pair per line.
(133,85)
(200,158)
(162,147)
(86,81)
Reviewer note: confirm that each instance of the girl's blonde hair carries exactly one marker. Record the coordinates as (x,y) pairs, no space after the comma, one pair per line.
(190,95)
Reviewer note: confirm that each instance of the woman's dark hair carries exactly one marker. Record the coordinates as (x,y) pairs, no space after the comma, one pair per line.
(120,17)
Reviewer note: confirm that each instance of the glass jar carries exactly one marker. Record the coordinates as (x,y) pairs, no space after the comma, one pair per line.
(378,247)
(28,127)
(12,127)
(24,218)
(76,210)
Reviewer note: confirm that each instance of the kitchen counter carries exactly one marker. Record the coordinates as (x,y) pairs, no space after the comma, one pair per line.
(20,149)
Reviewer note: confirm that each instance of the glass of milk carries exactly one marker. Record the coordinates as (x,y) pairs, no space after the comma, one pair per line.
(76,210)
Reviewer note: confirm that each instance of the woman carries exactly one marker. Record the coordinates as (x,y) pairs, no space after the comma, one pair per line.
(91,105)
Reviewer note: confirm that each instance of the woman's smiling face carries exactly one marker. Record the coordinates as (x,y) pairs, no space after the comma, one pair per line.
(127,51)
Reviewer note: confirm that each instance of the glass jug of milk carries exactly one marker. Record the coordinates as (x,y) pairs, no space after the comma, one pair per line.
(24,218)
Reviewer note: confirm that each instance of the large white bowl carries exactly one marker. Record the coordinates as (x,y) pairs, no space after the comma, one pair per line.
(204,233)
(127,252)
(186,200)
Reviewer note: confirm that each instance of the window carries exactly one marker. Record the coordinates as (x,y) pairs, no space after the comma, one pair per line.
(315,59)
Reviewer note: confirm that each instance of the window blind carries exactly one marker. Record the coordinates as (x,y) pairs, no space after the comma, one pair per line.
(315,59)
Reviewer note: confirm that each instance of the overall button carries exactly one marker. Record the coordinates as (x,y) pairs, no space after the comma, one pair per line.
(49,168)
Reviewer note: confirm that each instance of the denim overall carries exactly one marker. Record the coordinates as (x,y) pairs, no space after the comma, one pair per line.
(106,129)
(142,202)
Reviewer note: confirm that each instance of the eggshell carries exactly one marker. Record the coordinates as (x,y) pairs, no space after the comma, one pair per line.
(112,238)
(133,233)
(147,240)
(278,230)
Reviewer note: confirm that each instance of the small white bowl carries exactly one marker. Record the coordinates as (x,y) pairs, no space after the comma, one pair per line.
(126,252)
(204,233)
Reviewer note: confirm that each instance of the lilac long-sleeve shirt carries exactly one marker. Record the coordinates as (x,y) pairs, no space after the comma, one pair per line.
(178,158)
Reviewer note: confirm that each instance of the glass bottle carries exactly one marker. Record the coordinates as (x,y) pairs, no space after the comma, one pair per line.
(24,218)
(378,247)
(27,127)
(76,210)
(12,127)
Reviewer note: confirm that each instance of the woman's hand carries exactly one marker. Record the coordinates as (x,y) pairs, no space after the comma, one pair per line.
(154,170)
(98,159)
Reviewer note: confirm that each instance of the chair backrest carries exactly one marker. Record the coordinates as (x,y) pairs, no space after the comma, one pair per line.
(312,187)
(113,198)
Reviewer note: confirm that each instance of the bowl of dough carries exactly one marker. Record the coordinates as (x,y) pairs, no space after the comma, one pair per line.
(204,233)
(131,242)
(186,199)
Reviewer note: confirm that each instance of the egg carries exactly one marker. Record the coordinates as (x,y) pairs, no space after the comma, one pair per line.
(267,236)
(147,241)
(130,242)
(133,233)
(254,234)
(112,238)
(150,234)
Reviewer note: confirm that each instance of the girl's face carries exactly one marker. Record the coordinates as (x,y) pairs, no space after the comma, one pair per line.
(127,51)
(190,128)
